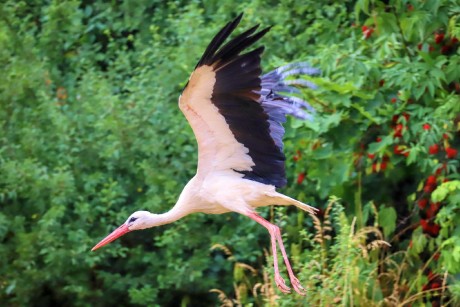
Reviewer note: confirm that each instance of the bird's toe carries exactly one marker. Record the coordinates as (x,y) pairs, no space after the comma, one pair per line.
(281,284)
(297,286)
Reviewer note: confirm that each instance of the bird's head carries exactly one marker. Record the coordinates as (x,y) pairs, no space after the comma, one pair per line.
(136,221)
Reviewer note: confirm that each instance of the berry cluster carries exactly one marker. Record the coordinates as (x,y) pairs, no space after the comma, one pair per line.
(378,164)
(435,149)
(415,134)
(435,282)
(428,209)
(399,125)
(440,44)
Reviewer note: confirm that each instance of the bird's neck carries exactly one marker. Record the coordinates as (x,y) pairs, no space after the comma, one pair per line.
(165,218)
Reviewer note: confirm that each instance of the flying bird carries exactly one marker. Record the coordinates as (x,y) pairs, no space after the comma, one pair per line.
(236,114)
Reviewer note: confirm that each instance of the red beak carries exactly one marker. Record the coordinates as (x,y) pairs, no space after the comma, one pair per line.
(123,229)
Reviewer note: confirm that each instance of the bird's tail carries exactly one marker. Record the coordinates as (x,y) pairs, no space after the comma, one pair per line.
(277,105)
(275,82)
(281,199)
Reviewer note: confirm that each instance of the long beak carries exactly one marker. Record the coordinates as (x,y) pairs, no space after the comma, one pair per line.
(123,229)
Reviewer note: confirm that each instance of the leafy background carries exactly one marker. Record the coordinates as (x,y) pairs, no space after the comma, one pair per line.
(90,132)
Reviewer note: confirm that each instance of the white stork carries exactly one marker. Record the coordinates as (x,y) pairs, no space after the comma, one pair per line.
(236,115)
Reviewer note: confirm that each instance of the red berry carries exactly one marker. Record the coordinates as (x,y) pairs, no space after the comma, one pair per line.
(379,139)
(435,285)
(438,38)
(367,31)
(374,167)
(445,49)
(406,116)
(434,229)
(383,165)
(445,136)
(410,7)
(398,131)
(426,127)
(440,169)
(398,149)
(381,82)
(436,256)
(435,206)
(296,157)
(393,100)
(433,149)
(300,178)
(424,224)
(453,40)
(422,203)
(432,210)
(431,180)
(428,188)
(371,156)
(451,152)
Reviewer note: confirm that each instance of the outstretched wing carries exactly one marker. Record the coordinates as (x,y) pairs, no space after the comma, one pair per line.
(235,113)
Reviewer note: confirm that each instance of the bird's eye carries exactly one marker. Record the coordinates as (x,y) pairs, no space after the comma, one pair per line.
(132,219)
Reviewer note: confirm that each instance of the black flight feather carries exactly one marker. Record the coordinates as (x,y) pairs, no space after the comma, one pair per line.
(220,37)
(236,94)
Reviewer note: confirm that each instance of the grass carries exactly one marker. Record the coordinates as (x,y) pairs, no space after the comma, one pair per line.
(341,265)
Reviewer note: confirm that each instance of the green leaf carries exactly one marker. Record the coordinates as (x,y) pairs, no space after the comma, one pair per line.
(376,147)
(387,220)
(441,192)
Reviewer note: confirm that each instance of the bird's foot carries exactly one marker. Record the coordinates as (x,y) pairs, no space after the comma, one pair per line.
(297,286)
(281,284)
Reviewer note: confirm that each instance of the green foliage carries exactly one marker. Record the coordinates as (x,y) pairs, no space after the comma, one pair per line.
(387,220)
(91,132)
(346,269)
(448,217)
(340,271)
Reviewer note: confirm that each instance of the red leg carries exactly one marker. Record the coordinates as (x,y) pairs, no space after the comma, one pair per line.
(275,235)
(278,279)
(294,281)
